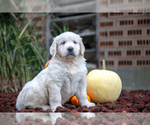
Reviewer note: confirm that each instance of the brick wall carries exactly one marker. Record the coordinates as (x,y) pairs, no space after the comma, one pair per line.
(124,39)
(123,6)
(39,28)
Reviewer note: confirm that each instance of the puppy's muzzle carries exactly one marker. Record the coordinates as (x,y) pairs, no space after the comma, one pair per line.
(70,51)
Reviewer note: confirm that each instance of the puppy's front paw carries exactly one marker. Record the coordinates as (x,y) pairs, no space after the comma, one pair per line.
(55,107)
(89,104)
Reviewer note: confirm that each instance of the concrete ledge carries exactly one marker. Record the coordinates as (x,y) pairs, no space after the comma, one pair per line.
(134,78)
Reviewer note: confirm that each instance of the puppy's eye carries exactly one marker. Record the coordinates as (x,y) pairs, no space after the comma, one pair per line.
(63,42)
(75,42)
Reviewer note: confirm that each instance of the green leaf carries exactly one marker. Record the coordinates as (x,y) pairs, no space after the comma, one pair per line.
(26,26)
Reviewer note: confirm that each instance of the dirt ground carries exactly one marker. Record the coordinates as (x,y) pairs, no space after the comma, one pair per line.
(133,101)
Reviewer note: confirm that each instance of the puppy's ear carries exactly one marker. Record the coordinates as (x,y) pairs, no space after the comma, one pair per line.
(82,47)
(53,48)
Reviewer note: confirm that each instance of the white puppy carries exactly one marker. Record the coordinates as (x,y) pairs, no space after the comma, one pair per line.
(64,77)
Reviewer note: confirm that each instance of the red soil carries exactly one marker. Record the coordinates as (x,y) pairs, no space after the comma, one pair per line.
(133,101)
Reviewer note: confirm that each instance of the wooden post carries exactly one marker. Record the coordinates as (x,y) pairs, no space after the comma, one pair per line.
(48,34)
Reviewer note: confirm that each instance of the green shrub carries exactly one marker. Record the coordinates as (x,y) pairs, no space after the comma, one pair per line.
(20,57)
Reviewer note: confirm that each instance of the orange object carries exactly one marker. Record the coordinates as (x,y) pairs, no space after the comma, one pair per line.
(46,65)
(75,101)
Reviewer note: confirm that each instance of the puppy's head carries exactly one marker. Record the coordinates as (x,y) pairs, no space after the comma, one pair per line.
(67,44)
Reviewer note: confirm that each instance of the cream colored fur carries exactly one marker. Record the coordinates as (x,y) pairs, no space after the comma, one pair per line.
(64,77)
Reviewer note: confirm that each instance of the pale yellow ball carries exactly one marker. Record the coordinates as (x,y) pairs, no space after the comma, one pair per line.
(103,86)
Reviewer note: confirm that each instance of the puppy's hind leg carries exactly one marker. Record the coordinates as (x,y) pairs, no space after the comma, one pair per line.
(34,96)
(40,98)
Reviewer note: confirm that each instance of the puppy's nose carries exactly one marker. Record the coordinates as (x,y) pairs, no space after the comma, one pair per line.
(70,49)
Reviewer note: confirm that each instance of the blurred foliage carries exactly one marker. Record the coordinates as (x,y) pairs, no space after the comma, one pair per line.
(58,30)
(20,57)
